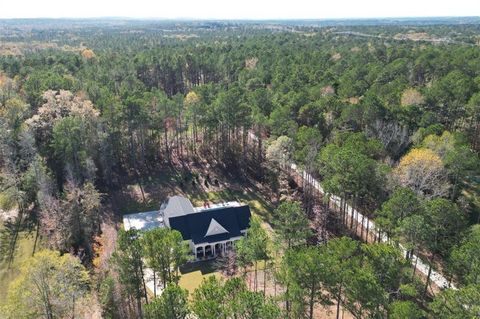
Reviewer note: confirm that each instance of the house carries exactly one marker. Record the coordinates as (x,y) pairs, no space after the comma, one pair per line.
(210,230)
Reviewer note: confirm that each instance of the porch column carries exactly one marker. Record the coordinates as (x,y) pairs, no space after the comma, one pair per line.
(196,248)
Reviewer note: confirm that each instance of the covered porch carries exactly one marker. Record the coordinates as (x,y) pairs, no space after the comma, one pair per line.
(212,250)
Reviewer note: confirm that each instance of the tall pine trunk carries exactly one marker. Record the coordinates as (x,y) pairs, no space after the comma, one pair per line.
(143,283)
(265,279)
(154,285)
(339,300)
(312,299)
(255,281)
(139,308)
(428,278)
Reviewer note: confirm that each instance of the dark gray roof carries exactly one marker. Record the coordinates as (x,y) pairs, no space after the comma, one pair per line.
(195,226)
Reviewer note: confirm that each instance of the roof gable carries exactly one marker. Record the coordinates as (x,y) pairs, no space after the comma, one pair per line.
(177,206)
(215,229)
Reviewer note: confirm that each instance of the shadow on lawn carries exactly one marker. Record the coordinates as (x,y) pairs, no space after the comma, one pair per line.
(205,267)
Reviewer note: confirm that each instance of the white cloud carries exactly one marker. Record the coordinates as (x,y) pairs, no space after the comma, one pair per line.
(242,9)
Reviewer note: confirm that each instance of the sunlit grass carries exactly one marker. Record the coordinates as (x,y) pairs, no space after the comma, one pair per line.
(193,274)
(24,250)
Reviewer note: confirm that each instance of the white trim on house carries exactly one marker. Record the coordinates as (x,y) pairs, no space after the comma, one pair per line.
(211,250)
(215,228)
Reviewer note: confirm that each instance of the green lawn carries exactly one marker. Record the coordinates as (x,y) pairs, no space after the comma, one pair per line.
(193,274)
(24,251)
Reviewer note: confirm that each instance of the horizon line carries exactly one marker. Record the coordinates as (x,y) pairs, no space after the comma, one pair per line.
(146,18)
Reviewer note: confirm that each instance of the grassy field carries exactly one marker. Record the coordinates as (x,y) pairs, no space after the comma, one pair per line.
(193,274)
(24,251)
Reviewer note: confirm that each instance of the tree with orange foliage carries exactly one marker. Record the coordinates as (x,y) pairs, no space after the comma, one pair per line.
(423,171)
(88,54)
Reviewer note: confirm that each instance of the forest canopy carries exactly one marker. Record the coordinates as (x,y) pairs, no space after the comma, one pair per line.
(385,119)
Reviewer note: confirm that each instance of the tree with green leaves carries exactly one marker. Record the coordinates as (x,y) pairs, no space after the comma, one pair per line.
(404,309)
(74,145)
(350,170)
(106,293)
(171,304)
(20,170)
(49,286)
(465,257)
(207,301)
(386,262)
(261,107)
(445,223)
(231,299)
(413,231)
(58,106)
(449,95)
(460,161)
(127,260)
(164,249)
(253,305)
(363,295)
(245,255)
(473,120)
(291,224)
(307,139)
(254,246)
(303,272)
(401,204)
(457,304)
(341,260)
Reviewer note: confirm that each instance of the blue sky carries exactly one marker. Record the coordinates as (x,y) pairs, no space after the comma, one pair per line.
(238,9)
